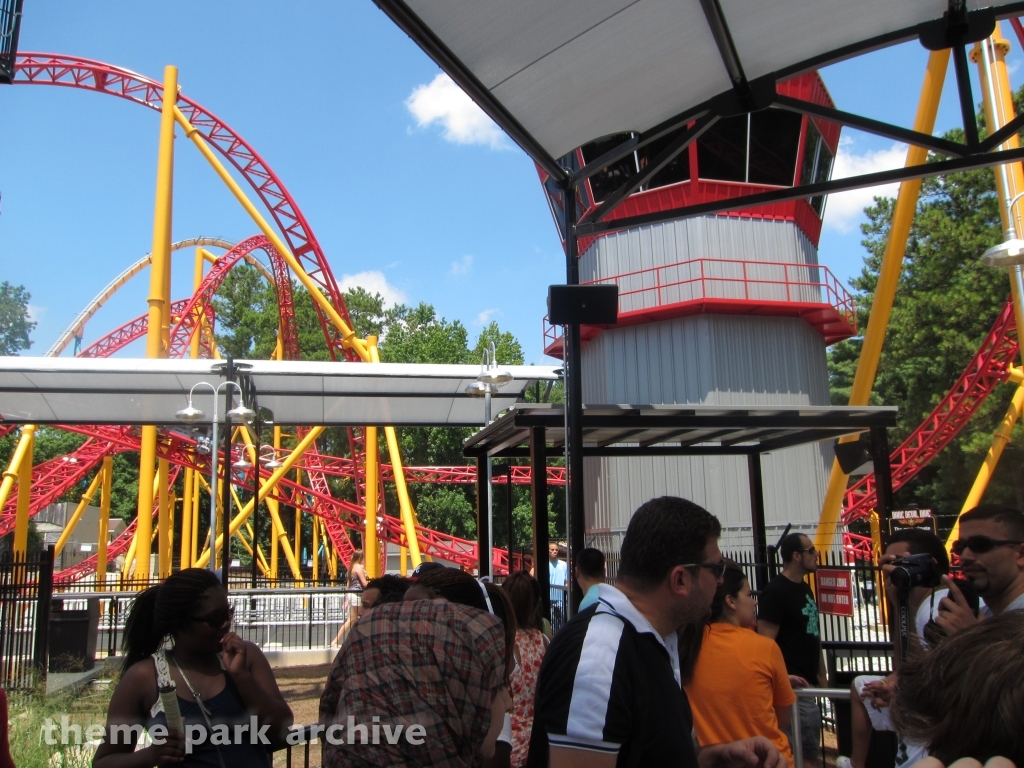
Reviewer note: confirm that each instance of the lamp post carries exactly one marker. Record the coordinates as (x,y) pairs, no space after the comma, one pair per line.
(268,461)
(1010,254)
(237,415)
(490,379)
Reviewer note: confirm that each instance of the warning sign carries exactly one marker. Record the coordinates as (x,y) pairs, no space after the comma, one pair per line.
(911,518)
(835,592)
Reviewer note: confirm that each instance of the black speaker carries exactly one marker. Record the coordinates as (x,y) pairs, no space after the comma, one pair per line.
(583,304)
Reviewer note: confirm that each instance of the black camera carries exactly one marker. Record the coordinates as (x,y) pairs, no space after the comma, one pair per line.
(915,571)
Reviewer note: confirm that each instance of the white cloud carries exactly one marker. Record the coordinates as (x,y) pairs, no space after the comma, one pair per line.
(462,266)
(442,102)
(374,282)
(35,313)
(845,209)
(485,317)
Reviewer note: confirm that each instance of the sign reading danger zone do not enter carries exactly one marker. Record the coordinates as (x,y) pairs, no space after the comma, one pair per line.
(835,592)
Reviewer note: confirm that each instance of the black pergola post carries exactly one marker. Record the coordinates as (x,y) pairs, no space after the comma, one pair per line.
(539,505)
(760,532)
(225,489)
(883,479)
(577,521)
(482,521)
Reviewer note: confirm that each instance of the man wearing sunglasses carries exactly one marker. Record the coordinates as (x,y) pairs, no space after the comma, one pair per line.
(991,552)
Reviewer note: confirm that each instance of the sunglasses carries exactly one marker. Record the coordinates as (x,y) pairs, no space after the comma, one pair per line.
(716,568)
(216,619)
(981,544)
(809,551)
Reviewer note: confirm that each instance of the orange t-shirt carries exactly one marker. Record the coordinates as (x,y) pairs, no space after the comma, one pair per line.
(739,679)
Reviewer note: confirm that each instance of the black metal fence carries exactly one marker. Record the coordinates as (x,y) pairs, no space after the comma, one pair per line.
(25,589)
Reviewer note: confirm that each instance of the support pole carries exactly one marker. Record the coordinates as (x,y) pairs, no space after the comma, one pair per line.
(165,531)
(883,480)
(274,508)
(539,505)
(157,300)
(225,518)
(371,546)
(511,547)
(196,477)
(885,291)
(186,519)
(70,525)
(482,522)
(760,531)
(25,444)
(24,495)
(104,526)
(575,536)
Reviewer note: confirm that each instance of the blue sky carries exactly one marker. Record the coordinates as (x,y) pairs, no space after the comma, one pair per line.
(407,188)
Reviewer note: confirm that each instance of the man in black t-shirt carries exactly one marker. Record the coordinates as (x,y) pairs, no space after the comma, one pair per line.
(788,613)
(608,693)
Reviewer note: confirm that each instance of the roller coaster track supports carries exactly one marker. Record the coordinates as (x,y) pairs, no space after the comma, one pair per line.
(101,548)
(186,519)
(70,525)
(24,446)
(997,102)
(239,519)
(159,312)
(404,500)
(28,435)
(350,339)
(371,545)
(999,440)
(885,292)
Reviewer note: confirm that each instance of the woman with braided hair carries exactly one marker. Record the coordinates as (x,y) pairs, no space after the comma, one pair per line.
(217,681)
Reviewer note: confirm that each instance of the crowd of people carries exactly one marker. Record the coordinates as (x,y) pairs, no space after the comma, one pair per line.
(676,664)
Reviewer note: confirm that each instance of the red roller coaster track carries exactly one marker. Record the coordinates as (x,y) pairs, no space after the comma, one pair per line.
(988,368)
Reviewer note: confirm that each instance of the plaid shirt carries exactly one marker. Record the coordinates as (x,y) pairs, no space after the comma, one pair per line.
(424,662)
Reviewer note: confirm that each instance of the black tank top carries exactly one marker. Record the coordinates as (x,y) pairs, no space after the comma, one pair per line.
(227,709)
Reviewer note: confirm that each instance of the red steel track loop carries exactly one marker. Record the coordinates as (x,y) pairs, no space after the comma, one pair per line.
(76,72)
(136,329)
(987,369)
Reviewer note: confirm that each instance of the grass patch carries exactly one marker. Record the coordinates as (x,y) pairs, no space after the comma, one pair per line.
(29,713)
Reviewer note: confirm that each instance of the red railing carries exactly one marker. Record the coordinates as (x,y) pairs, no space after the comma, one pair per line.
(728,286)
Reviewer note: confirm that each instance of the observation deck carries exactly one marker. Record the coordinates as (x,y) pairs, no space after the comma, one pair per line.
(726,287)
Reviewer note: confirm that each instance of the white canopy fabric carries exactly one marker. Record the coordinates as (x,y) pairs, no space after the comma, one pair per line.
(39,390)
(570,71)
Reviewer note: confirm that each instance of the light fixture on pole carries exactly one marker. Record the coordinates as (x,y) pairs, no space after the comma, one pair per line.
(490,379)
(192,415)
(1010,254)
(269,460)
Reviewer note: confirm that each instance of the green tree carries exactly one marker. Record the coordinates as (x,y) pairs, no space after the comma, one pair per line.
(945,305)
(15,325)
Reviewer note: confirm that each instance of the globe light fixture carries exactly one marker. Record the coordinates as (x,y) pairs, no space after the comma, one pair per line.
(190,414)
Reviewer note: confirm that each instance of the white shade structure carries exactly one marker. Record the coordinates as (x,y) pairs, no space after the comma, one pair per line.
(41,390)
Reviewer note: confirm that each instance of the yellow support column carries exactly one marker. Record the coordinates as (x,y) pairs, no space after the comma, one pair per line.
(186,520)
(157,300)
(25,444)
(71,524)
(103,532)
(164,525)
(24,494)
(196,490)
(316,549)
(371,546)
(275,513)
(885,291)
(298,522)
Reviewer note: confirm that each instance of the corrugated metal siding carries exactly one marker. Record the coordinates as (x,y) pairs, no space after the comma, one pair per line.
(709,359)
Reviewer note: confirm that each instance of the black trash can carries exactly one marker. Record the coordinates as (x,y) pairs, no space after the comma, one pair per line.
(72,637)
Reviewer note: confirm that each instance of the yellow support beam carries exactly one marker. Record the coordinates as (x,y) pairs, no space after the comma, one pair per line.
(347,334)
(164,524)
(24,496)
(885,291)
(371,545)
(275,511)
(316,549)
(25,443)
(103,533)
(159,307)
(71,524)
(265,490)
(186,519)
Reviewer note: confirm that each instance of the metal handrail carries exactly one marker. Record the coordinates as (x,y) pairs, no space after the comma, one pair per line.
(810,693)
(822,279)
